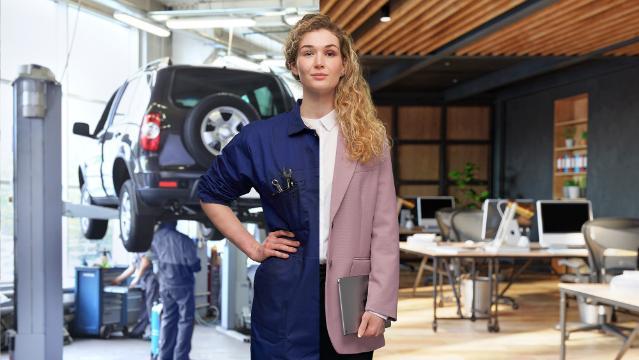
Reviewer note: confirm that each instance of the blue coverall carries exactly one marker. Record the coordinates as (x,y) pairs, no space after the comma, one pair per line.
(148,283)
(285,313)
(177,261)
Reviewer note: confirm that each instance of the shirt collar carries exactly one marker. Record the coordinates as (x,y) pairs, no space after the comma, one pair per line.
(296,125)
(328,121)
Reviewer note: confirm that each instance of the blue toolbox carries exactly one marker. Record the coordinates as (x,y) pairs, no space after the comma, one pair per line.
(101,308)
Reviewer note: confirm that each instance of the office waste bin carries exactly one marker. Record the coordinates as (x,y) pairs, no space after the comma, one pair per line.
(482,296)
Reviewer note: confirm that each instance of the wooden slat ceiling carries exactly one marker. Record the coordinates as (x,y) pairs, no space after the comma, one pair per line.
(420,27)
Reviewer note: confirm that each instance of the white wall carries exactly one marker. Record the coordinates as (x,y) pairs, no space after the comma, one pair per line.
(190,49)
(103,55)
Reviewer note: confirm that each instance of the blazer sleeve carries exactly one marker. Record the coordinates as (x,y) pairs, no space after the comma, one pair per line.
(383,283)
(231,173)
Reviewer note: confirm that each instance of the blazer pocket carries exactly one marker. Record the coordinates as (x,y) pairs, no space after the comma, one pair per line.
(360,267)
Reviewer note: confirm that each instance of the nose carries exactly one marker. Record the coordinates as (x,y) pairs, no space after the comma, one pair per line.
(319,61)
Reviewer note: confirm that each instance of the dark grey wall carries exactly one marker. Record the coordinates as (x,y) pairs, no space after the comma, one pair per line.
(613,135)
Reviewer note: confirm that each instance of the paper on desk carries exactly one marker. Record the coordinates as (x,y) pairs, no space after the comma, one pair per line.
(628,281)
(447,250)
(421,239)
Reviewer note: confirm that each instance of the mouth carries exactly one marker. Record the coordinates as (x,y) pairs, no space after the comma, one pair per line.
(319,76)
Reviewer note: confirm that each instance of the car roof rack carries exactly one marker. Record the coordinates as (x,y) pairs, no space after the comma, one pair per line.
(159,63)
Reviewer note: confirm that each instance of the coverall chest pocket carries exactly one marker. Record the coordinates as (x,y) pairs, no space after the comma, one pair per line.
(289,206)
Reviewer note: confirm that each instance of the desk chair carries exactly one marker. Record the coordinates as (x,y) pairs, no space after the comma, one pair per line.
(443,217)
(603,238)
(467,225)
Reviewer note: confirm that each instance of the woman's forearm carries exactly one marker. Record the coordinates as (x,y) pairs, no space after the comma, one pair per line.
(230,226)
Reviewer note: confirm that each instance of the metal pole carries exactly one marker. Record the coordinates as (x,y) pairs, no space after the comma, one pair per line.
(38,214)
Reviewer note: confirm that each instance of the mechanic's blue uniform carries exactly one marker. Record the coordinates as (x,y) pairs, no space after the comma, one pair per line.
(149,283)
(285,313)
(177,261)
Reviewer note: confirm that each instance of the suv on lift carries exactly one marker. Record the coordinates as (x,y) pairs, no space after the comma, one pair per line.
(159,133)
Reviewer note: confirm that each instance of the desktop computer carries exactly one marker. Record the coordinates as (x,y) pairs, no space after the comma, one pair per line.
(560,222)
(427,206)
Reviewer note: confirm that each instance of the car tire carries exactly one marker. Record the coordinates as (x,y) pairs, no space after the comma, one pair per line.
(136,231)
(213,122)
(209,232)
(92,229)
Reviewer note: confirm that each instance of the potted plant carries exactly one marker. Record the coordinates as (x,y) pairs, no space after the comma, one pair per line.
(569,136)
(584,137)
(581,183)
(571,189)
(463,179)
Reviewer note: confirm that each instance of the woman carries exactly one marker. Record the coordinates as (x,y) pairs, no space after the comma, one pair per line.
(325,179)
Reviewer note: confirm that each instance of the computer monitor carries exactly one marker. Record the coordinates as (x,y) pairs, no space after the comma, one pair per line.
(428,206)
(560,222)
(491,217)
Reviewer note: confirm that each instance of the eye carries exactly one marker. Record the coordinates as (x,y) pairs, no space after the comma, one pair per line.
(330,53)
(307,53)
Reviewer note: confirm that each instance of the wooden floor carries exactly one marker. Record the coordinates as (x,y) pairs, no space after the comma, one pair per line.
(526,333)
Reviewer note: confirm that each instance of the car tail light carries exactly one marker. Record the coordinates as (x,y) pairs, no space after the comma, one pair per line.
(150,132)
(168,184)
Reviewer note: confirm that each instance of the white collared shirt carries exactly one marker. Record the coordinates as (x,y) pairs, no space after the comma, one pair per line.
(327,132)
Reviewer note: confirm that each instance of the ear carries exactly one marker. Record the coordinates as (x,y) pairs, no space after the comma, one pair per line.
(294,69)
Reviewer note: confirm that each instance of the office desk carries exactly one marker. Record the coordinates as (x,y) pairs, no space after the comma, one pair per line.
(457,250)
(600,294)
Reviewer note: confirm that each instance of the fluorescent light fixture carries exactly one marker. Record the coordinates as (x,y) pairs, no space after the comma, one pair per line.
(258,56)
(142,24)
(208,23)
(160,17)
(292,19)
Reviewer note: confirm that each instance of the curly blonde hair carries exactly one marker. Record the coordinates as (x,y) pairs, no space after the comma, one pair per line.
(364,133)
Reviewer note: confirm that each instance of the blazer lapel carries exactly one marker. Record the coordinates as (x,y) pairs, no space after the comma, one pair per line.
(342,175)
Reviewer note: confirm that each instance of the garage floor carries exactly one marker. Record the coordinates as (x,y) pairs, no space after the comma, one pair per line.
(207,344)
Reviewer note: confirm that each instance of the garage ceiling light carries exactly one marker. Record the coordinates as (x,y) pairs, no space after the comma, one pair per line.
(142,24)
(208,23)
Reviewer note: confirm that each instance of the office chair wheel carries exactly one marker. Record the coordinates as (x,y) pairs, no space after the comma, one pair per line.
(515,306)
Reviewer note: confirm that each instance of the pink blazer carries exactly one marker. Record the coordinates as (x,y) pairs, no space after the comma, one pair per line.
(363,239)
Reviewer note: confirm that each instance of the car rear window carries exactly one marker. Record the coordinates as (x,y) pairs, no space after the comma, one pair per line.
(260,90)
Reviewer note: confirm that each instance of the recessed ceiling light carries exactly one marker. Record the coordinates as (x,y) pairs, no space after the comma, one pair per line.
(455,81)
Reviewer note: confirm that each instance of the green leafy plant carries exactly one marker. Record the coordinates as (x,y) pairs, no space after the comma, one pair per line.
(464,179)
(569,132)
(584,135)
(581,182)
(570,182)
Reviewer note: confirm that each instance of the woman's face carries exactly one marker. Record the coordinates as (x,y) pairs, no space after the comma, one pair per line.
(319,63)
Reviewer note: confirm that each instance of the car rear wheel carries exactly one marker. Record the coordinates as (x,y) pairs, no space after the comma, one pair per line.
(92,229)
(213,123)
(136,231)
